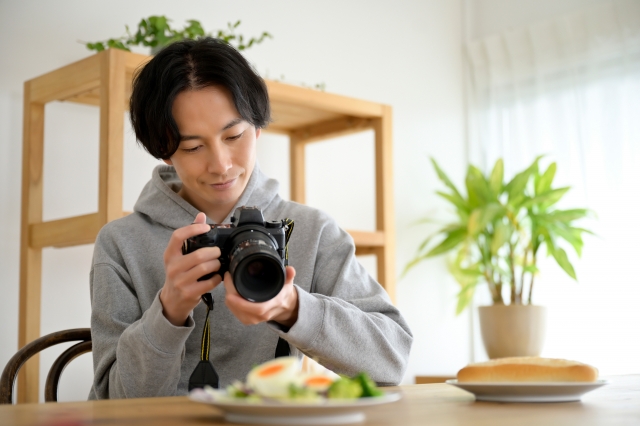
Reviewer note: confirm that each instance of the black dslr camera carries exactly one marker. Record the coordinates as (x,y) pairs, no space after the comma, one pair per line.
(253,251)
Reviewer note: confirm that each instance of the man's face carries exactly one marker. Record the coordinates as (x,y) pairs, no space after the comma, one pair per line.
(217,153)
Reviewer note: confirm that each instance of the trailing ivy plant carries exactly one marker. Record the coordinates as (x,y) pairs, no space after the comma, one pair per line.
(156,32)
(501,231)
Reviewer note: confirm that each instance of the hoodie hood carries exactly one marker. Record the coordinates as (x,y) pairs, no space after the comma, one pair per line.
(159,197)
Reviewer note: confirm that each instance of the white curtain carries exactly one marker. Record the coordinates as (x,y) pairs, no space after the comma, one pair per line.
(569,88)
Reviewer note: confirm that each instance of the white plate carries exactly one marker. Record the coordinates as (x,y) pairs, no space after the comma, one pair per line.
(530,391)
(325,412)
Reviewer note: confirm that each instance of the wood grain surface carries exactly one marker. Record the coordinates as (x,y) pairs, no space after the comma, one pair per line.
(435,404)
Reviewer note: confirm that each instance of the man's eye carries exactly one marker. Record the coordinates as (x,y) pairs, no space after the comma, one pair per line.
(194,149)
(233,138)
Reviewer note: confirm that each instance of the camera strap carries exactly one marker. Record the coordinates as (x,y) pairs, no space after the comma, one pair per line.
(205,374)
(288,223)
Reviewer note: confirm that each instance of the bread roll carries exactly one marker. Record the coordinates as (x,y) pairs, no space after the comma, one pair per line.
(528,369)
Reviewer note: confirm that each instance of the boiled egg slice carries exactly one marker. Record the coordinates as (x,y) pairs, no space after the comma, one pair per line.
(317,382)
(273,378)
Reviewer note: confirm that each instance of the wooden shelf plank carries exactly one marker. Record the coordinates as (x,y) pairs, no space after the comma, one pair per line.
(67,81)
(330,129)
(323,101)
(30,257)
(84,229)
(367,238)
(66,232)
(133,61)
(291,116)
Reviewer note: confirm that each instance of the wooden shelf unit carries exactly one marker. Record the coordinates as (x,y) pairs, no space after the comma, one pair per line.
(104,80)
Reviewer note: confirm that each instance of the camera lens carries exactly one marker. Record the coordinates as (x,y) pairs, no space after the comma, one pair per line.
(260,279)
(257,269)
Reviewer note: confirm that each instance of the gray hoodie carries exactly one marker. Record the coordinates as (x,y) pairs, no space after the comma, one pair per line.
(346,321)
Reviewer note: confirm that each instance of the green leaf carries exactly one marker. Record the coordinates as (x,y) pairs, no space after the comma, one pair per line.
(451,241)
(455,199)
(586,231)
(98,46)
(444,231)
(546,199)
(544,183)
(561,257)
(564,215)
(413,263)
(420,257)
(515,188)
(194,29)
(424,220)
(117,44)
(497,176)
(477,188)
(548,240)
(445,179)
(571,235)
(501,235)
(467,278)
(465,296)
(481,217)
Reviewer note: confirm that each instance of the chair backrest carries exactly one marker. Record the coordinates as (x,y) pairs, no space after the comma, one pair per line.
(12,368)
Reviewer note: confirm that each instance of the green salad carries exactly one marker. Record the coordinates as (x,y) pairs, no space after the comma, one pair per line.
(282,379)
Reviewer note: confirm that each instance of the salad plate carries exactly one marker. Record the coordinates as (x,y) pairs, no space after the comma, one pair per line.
(282,412)
(528,391)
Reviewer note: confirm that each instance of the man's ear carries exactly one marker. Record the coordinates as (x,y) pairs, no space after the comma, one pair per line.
(258,132)
(167,161)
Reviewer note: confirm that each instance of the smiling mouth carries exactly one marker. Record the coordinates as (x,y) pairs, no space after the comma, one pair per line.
(223,185)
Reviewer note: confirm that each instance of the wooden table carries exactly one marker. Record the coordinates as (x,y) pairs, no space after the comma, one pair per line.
(435,404)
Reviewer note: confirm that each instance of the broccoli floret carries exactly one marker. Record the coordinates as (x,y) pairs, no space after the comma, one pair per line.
(302,393)
(345,388)
(368,386)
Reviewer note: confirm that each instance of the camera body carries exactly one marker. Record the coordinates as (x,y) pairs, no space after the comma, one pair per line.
(252,250)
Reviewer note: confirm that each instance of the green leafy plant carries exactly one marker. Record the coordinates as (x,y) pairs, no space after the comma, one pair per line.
(501,231)
(156,32)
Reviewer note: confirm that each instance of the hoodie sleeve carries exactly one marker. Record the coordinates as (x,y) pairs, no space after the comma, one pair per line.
(347,322)
(135,353)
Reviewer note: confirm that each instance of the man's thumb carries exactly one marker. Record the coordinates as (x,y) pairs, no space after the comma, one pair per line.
(200,218)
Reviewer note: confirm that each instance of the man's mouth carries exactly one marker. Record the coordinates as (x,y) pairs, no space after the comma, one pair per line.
(223,185)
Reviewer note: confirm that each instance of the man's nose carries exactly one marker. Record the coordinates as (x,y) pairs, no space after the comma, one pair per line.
(219,160)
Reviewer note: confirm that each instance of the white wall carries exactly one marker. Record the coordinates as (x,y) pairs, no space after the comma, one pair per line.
(488,17)
(403,53)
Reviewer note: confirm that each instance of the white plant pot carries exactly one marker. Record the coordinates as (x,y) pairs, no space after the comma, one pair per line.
(513,330)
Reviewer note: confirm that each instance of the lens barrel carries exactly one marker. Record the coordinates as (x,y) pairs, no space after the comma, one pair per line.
(256,267)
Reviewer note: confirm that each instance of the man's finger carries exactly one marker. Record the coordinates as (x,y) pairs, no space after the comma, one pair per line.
(290,274)
(200,218)
(228,285)
(235,299)
(195,258)
(201,269)
(201,287)
(179,235)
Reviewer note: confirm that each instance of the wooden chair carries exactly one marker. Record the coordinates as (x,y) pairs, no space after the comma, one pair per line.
(12,368)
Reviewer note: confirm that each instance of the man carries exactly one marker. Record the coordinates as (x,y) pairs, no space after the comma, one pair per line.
(200,107)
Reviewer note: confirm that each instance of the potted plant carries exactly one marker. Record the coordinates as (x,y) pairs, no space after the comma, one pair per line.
(156,32)
(500,233)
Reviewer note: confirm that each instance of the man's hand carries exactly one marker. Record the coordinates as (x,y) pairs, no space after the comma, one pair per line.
(182,290)
(283,308)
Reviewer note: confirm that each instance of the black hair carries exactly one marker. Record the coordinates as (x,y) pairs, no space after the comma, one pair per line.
(191,65)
